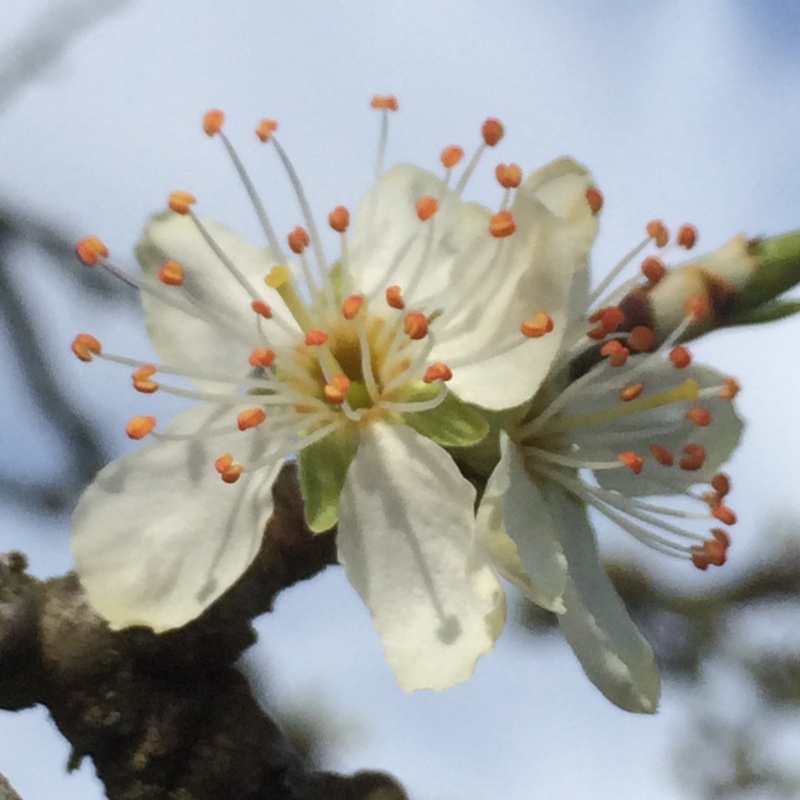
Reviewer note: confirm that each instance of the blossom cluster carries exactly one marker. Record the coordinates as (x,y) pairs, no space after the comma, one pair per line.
(445,338)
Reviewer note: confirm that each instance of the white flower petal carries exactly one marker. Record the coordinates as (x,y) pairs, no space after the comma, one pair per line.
(227,332)
(158,535)
(666,426)
(520,536)
(406,539)
(612,652)
(534,271)
(389,242)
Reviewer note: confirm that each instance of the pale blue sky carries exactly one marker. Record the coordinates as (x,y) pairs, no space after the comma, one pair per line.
(682,110)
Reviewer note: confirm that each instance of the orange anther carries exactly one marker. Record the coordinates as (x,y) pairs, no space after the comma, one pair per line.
(662,455)
(687,236)
(228,469)
(265,129)
(451,156)
(653,269)
(415,325)
(339,219)
(713,552)
(262,357)
(139,427)
(85,346)
(631,392)
(632,460)
(509,176)
(658,232)
(181,202)
(730,389)
(426,207)
(335,392)
(724,514)
(171,273)
(141,379)
(352,305)
(616,353)
(315,338)
(696,308)
(394,298)
(538,325)
(608,319)
(492,131)
(250,418)
(298,240)
(502,224)
(437,372)
(213,121)
(261,308)
(700,416)
(90,250)
(595,199)
(721,484)
(384,102)
(694,457)
(641,338)
(680,357)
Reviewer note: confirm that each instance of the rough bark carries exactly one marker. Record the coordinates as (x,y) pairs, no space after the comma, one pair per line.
(169,717)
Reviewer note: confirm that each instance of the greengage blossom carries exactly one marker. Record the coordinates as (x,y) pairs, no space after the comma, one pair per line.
(346,363)
(622,418)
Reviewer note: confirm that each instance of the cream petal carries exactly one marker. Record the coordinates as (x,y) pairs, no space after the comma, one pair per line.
(389,242)
(666,426)
(406,539)
(530,271)
(612,652)
(518,533)
(215,324)
(158,536)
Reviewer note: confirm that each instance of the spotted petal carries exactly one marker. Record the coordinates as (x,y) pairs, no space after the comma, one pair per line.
(158,536)
(406,539)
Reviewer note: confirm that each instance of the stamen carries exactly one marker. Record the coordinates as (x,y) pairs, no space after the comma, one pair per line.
(687,236)
(616,353)
(139,427)
(228,469)
(394,298)
(609,319)
(426,207)
(502,224)
(451,156)
(632,460)
(298,240)
(181,202)
(250,418)
(316,338)
(85,346)
(384,102)
(700,416)
(594,197)
(339,219)
(437,372)
(90,250)
(352,305)
(680,357)
(265,129)
(653,269)
(171,274)
(415,324)
(336,391)
(721,484)
(509,176)
(213,122)
(730,389)
(262,357)
(696,308)
(694,458)
(662,455)
(641,338)
(713,552)
(631,392)
(724,515)
(658,232)
(141,380)
(261,308)
(492,131)
(537,326)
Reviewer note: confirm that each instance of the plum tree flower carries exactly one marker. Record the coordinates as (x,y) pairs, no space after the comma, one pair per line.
(345,363)
(621,419)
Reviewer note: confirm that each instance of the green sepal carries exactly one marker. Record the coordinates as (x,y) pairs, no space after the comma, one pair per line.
(452,423)
(323,469)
